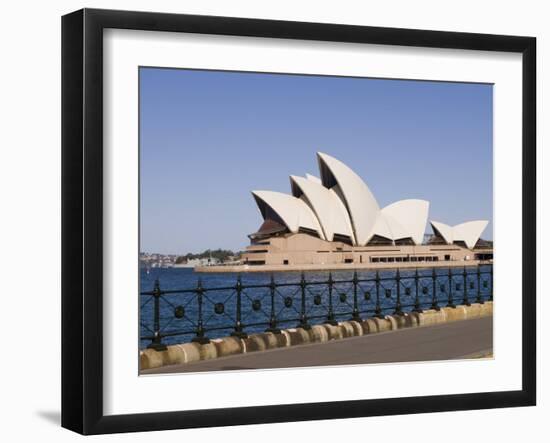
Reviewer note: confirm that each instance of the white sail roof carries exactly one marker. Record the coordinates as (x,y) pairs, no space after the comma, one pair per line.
(313,178)
(359,200)
(411,216)
(468,232)
(294,212)
(443,230)
(327,206)
(388,227)
(340,203)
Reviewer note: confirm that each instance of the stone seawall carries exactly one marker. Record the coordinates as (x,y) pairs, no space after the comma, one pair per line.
(222,347)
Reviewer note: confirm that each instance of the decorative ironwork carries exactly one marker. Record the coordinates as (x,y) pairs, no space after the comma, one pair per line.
(219,308)
(417,307)
(435,303)
(156,340)
(331,319)
(179,312)
(178,315)
(465,300)
(256,305)
(398,310)
(200,337)
(239,329)
(450,300)
(356,314)
(272,315)
(378,308)
(303,316)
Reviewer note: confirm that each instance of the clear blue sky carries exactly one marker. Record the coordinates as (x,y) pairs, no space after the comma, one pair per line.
(208,138)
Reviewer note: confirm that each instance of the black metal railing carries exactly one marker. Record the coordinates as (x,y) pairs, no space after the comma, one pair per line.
(199,313)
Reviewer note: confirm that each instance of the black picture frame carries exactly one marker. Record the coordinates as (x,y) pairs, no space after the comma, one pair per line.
(82,218)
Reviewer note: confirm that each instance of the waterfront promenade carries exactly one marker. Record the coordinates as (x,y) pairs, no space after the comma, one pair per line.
(461,339)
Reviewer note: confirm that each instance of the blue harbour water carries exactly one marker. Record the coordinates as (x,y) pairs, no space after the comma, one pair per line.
(179,311)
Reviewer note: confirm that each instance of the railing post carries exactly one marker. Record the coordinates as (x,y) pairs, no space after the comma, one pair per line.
(272,317)
(435,304)
(156,342)
(238,332)
(330,316)
(398,310)
(355,315)
(200,338)
(479,299)
(450,302)
(303,317)
(378,308)
(465,300)
(417,307)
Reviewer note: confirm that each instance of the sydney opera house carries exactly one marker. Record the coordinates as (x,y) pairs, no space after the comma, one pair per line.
(335,219)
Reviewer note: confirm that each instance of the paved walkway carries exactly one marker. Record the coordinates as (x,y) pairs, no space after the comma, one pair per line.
(440,342)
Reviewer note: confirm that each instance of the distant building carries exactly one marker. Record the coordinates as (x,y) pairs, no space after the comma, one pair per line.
(336,219)
(194,262)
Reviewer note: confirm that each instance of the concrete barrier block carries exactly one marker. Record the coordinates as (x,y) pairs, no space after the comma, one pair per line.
(430,317)
(318,334)
(273,341)
(298,336)
(486,309)
(473,311)
(182,353)
(357,329)
(282,340)
(175,355)
(191,351)
(286,336)
(411,320)
(455,314)
(397,321)
(393,322)
(439,316)
(369,326)
(207,351)
(347,329)
(150,359)
(254,343)
(383,324)
(334,332)
(422,318)
(228,346)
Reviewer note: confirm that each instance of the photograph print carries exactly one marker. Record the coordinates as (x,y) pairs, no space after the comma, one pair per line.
(291,220)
